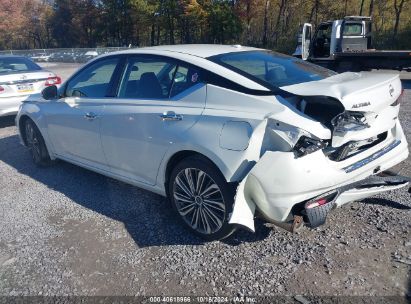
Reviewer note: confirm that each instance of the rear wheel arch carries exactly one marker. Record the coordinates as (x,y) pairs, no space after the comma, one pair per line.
(180,156)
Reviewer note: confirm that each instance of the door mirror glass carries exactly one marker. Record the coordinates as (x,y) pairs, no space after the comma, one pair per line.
(50,93)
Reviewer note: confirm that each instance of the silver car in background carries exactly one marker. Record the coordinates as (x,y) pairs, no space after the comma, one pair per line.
(19,78)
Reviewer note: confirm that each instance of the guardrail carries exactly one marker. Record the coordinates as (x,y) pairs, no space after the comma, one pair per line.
(69,55)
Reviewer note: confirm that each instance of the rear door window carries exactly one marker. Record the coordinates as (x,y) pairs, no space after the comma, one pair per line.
(147,77)
(185,78)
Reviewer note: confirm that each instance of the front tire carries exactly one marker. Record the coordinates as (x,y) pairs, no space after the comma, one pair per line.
(202,198)
(35,143)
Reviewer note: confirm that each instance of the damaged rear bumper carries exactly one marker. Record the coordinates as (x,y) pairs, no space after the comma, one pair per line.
(280,184)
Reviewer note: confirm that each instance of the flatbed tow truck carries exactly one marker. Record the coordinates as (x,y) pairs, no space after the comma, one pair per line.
(346,45)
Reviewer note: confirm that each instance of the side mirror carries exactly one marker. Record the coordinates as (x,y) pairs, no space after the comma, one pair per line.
(50,93)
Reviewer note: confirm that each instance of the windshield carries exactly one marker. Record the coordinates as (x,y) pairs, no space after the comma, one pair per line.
(273,70)
(12,65)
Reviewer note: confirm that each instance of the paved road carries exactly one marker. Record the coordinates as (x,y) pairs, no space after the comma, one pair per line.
(66,230)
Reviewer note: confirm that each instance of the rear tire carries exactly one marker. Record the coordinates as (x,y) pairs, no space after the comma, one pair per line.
(201,198)
(35,143)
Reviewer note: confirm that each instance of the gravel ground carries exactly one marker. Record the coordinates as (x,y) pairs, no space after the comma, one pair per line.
(68,231)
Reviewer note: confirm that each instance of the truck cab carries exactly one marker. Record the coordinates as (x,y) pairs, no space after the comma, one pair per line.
(351,34)
(345,45)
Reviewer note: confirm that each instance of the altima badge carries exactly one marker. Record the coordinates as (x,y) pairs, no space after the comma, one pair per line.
(360,105)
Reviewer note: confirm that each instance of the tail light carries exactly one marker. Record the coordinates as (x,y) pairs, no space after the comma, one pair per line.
(399,100)
(2,89)
(306,145)
(53,81)
(316,203)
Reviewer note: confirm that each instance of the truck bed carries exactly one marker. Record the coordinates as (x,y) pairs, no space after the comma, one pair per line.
(376,53)
(367,60)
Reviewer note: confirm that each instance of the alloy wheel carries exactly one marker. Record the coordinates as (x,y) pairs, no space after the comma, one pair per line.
(199,200)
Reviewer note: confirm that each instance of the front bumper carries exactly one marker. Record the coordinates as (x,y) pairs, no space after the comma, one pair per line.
(279,181)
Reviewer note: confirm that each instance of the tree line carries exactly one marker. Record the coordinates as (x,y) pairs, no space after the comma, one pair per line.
(27,24)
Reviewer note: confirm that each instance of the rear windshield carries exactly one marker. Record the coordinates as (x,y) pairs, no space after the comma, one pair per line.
(270,69)
(12,65)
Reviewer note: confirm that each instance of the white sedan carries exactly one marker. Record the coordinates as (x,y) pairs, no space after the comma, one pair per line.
(20,77)
(225,132)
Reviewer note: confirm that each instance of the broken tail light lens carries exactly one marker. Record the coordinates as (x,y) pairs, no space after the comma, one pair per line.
(53,81)
(318,202)
(307,145)
(349,121)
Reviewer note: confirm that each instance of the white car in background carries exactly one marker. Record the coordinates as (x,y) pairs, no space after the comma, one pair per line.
(20,77)
(225,132)
(41,58)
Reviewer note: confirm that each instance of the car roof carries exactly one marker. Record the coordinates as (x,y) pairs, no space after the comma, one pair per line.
(199,50)
(197,55)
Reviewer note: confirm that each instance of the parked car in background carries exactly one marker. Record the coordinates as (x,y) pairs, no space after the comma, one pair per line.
(224,132)
(41,58)
(20,77)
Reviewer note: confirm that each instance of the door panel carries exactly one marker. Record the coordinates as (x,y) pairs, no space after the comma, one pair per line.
(74,135)
(135,136)
(74,121)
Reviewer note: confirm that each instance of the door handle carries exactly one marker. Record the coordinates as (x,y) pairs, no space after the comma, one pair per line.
(171,115)
(90,116)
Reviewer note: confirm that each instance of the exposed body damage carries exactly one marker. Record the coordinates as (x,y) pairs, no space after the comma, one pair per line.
(341,165)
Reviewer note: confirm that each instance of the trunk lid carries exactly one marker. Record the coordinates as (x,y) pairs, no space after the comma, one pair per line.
(360,92)
(22,84)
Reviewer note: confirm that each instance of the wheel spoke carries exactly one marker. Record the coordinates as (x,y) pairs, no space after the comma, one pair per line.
(216,205)
(189,177)
(183,186)
(215,219)
(194,219)
(182,198)
(210,190)
(187,209)
(200,180)
(205,221)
